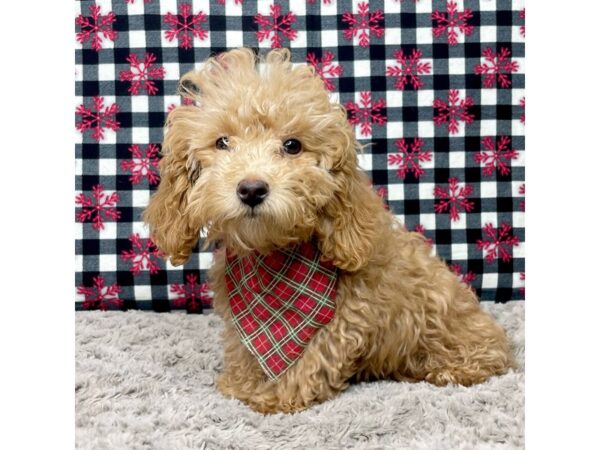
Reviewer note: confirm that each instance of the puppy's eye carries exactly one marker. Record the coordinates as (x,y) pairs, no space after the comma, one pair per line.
(292,146)
(222,143)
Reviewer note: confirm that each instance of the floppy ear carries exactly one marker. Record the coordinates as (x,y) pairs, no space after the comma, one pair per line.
(170,227)
(348,226)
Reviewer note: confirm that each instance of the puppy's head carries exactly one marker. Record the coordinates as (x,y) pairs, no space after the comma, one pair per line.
(263,159)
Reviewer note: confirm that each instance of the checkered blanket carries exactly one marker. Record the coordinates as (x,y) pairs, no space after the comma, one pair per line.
(279,301)
(436,88)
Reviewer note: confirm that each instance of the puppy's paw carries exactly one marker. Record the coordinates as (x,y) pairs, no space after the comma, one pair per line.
(463,376)
(224,385)
(274,406)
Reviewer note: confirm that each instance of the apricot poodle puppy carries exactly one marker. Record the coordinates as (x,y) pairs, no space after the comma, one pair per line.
(318,284)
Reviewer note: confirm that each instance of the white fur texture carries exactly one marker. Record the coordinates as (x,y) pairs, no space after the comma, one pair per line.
(146,381)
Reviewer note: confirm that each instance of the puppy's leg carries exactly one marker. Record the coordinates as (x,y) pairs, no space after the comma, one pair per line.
(463,345)
(242,374)
(321,372)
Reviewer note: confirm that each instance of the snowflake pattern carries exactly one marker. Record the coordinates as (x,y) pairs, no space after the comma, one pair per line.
(522,202)
(466,278)
(142,164)
(185,101)
(499,242)
(453,111)
(409,157)
(95,25)
(522,289)
(452,198)
(144,255)
(97,118)
(364,24)
(275,25)
(97,207)
(192,295)
(496,66)
(452,22)
(409,69)
(382,192)
(421,230)
(496,155)
(522,27)
(407,72)
(366,113)
(99,296)
(522,104)
(325,68)
(185,26)
(142,74)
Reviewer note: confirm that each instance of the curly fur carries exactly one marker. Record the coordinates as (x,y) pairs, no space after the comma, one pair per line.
(400,312)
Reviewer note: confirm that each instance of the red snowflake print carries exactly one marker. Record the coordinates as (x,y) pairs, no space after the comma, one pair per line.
(522,289)
(522,27)
(409,157)
(453,111)
(382,192)
(98,207)
(499,242)
(522,192)
(97,118)
(452,22)
(466,278)
(275,25)
(143,164)
(141,74)
(496,66)
(366,113)
(409,69)
(192,294)
(522,104)
(95,25)
(363,24)
(100,296)
(185,26)
(453,198)
(325,68)
(144,255)
(185,101)
(496,156)
(421,229)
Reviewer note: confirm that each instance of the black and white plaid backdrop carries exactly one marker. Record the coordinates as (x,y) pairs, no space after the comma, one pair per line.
(435,87)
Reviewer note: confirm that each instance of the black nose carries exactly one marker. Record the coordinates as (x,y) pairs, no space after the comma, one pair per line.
(252,192)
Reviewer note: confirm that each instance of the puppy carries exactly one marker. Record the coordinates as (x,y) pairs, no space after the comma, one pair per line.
(317,283)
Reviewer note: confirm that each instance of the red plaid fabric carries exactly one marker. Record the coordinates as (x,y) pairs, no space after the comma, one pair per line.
(279,301)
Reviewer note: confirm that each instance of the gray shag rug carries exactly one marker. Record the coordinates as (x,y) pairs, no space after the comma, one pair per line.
(146,381)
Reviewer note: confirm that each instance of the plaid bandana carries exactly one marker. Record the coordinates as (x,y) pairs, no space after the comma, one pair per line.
(279,301)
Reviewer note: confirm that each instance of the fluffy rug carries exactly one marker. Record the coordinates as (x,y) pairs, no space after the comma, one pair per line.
(146,381)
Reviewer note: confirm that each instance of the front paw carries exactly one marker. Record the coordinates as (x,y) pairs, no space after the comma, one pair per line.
(271,405)
(225,385)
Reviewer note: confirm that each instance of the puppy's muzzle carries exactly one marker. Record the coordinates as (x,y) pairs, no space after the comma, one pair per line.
(252,192)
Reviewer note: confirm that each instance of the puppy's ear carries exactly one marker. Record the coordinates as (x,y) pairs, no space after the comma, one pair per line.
(170,227)
(217,73)
(348,227)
